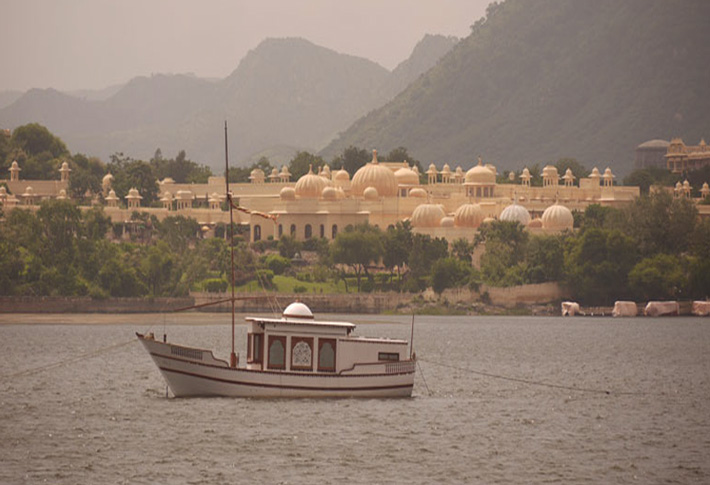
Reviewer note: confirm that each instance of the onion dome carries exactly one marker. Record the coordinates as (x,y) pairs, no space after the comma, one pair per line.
(427,215)
(205,228)
(515,213)
(447,221)
(274,174)
(167,196)
(480,175)
(654,144)
(557,217)
(287,193)
(432,170)
(568,175)
(325,172)
(511,176)
(65,167)
(62,194)
(285,174)
(341,176)
(370,193)
(595,174)
(310,186)
(256,176)
(535,223)
(446,170)
(705,191)
(374,175)
(549,171)
(107,180)
(133,194)
(608,174)
(329,193)
(525,175)
(406,176)
(468,215)
(298,310)
(417,192)
(15,166)
(166,180)
(112,197)
(488,220)
(458,174)
(29,191)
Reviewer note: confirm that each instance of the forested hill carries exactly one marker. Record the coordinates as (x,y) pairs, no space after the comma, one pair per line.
(545,79)
(285,95)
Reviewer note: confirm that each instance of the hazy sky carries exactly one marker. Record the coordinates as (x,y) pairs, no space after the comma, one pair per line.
(78,44)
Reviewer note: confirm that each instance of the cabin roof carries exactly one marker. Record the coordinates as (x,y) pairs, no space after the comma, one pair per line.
(301,321)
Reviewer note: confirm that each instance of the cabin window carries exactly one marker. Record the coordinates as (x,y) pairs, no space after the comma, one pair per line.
(254,346)
(326,355)
(293,230)
(390,356)
(301,353)
(309,231)
(257,233)
(322,231)
(277,352)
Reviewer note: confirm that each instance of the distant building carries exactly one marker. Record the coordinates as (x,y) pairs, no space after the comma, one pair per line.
(683,158)
(651,154)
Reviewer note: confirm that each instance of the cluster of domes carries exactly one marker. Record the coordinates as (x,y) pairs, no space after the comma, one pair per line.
(374,175)
(311,186)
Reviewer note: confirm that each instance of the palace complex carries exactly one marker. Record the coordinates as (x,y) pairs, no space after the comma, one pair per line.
(450,203)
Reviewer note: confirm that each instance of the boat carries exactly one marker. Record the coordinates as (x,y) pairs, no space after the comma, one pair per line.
(294,356)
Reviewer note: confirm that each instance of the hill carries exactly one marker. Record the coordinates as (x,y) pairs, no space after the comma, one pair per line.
(285,95)
(538,81)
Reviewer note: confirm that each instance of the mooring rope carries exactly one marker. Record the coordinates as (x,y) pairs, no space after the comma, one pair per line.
(54,365)
(532,382)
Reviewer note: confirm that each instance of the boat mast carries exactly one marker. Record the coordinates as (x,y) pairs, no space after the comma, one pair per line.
(232,356)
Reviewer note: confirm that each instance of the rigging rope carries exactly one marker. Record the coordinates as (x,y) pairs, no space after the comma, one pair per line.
(84,356)
(534,383)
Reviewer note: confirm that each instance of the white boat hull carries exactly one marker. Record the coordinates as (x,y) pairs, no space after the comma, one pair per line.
(195,372)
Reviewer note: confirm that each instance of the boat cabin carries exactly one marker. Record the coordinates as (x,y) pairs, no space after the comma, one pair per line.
(296,342)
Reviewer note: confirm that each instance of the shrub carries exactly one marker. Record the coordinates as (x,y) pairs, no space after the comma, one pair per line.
(299,289)
(214,285)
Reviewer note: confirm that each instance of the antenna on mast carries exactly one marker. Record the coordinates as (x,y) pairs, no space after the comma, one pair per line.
(232,356)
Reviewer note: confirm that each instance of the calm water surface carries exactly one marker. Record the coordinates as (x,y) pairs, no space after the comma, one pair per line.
(103,417)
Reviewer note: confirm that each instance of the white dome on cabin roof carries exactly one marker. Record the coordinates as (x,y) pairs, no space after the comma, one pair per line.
(311,186)
(374,175)
(516,213)
(297,310)
(557,217)
(427,215)
(288,193)
(468,215)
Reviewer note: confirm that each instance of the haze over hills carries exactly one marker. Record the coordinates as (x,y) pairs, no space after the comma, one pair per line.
(538,81)
(285,95)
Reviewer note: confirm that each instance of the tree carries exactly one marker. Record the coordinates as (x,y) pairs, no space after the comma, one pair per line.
(180,169)
(86,176)
(424,251)
(462,250)
(397,243)
(351,159)
(660,277)
(400,154)
(129,173)
(178,232)
(449,273)
(156,268)
(34,139)
(661,224)
(288,246)
(357,247)
(301,163)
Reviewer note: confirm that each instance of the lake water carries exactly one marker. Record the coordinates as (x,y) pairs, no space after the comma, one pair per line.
(498,406)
